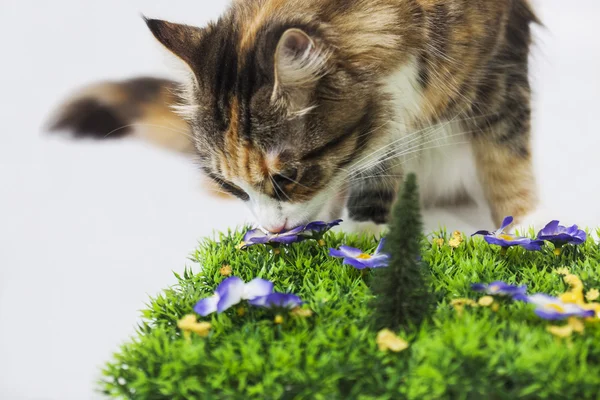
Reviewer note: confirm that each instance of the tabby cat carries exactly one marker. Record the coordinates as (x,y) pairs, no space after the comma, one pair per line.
(302,107)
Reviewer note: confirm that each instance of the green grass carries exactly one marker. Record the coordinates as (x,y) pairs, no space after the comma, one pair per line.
(333,354)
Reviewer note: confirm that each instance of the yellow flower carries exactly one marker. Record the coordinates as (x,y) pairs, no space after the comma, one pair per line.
(574,297)
(560,331)
(576,324)
(302,312)
(241,311)
(573,281)
(592,295)
(321,243)
(225,270)
(278,320)
(388,340)
(439,242)
(456,240)
(486,301)
(495,307)
(189,324)
(573,325)
(562,271)
(459,305)
(557,251)
(463,302)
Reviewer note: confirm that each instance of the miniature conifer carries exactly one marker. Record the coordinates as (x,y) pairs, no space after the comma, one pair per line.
(402,291)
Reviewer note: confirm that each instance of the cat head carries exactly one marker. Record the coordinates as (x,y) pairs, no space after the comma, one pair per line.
(277,115)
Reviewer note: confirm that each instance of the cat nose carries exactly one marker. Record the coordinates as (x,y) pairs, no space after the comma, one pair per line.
(276,228)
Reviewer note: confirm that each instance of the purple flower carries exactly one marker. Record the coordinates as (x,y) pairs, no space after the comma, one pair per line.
(500,288)
(506,240)
(359,259)
(231,292)
(277,300)
(551,308)
(312,230)
(560,235)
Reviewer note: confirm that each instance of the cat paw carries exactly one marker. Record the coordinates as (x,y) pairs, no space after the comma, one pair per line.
(364,228)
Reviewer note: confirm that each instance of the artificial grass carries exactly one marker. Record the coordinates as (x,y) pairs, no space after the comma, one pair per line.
(476,354)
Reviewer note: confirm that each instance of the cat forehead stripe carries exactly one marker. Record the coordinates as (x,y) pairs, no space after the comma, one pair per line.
(262,10)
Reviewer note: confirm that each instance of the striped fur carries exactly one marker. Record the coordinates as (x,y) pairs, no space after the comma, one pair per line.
(294,101)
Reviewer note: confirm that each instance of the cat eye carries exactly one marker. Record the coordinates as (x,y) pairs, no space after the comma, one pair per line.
(286,177)
(281,181)
(230,188)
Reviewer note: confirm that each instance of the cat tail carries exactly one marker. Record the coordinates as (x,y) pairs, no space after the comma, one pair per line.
(135,107)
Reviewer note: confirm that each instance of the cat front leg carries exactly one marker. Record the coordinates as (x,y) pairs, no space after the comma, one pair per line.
(507,176)
(371,197)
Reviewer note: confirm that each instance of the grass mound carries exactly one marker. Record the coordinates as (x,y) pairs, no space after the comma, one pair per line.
(476,353)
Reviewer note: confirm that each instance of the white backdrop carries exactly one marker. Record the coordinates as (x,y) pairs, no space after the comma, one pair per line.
(88,230)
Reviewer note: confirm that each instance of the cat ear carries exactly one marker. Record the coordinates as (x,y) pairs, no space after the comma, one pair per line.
(300,62)
(181,40)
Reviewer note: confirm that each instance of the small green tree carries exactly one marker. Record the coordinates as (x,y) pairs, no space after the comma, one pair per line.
(402,291)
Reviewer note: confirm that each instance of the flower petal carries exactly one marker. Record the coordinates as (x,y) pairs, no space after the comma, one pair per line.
(507,221)
(484,233)
(207,306)
(358,264)
(285,239)
(316,226)
(550,229)
(230,293)
(541,299)
(255,236)
(257,287)
(345,251)
(377,261)
(380,247)
(479,287)
(277,300)
(351,251)
(549,314)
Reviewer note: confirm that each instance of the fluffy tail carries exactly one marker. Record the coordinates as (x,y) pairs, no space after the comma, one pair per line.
(141,107)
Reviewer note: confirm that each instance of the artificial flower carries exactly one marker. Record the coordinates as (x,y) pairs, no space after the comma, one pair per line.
(361,260)
(552,308)
(463,302)
(573,281)
(459,305)
(560,235)
(573,325)
(189,324)
(302,312)
(225,270)
(564,331)
(231,292)
(592,295)
(439,241)
(277,300)
(313,230)
(388,340)
(506,240)
(486,301)
(456,240)
(576,324)
(500,288)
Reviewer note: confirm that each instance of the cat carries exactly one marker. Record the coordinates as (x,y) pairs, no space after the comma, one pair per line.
(301,108)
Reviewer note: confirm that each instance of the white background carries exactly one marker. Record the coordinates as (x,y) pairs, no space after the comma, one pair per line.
(89,230)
